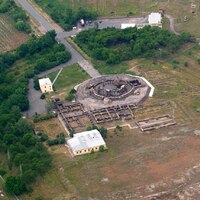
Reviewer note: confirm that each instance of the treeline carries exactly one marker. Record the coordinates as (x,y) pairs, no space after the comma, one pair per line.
(68,17)
(43,53)
(17,13)
(39,118)
(116,45)
(59,140)
(27,158)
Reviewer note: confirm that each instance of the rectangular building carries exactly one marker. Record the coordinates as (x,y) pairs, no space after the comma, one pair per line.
(155,19)
(45,85)
(86,142)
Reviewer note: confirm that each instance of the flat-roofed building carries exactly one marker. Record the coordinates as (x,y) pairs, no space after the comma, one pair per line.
(86,142)
(45,85)
(155,19)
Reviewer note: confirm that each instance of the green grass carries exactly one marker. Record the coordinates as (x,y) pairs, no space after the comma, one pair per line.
(69,77)
(103,68)
(102,7)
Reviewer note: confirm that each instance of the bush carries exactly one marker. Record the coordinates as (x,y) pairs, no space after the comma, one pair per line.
(71,133)
(2,172)
(102,148)
(42,96)
(198,60)
(43,137)
(39,118)
(71,95)
(185,64)
(36,83)
(59,140)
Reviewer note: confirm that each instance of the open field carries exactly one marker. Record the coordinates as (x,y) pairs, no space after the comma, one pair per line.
(139,164)
(117,8)
(10,37)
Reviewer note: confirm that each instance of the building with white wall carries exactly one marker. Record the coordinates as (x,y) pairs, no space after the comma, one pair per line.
(86,142)
(155,19)
(45,85)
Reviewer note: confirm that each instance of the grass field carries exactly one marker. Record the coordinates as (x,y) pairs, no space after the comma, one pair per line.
(69,77)
(10,37)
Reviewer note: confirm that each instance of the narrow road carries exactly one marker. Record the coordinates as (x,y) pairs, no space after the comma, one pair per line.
(171,24)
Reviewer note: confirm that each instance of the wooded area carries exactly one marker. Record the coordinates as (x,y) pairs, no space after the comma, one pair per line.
(116,45)
(27,158)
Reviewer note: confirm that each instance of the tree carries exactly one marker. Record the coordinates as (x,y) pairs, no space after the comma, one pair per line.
(42,96)
(71,133)
(185,64)
(14,185)
(20,25)
(101,148)
(119,128)
(63,56)
(103,131)
(36,83)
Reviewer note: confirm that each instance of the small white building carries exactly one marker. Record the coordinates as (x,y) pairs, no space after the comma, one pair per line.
(155,19)
(86,142)
(124,26)
(45,85)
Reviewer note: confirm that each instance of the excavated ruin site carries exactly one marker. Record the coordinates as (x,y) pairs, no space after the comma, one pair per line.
(112,90)
(109,99)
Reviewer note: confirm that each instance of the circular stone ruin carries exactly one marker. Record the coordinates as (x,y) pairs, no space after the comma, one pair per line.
(112,90)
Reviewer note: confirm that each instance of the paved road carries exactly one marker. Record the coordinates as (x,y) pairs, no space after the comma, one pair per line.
(26,5)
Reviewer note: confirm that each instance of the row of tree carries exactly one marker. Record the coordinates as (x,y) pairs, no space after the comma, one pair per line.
(68,17)
(27,158)
(17,13)
(116,45)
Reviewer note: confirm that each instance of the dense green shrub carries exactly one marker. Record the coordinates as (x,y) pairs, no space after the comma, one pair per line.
(71,95)
(59,140)
(39,118)
(116,45)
